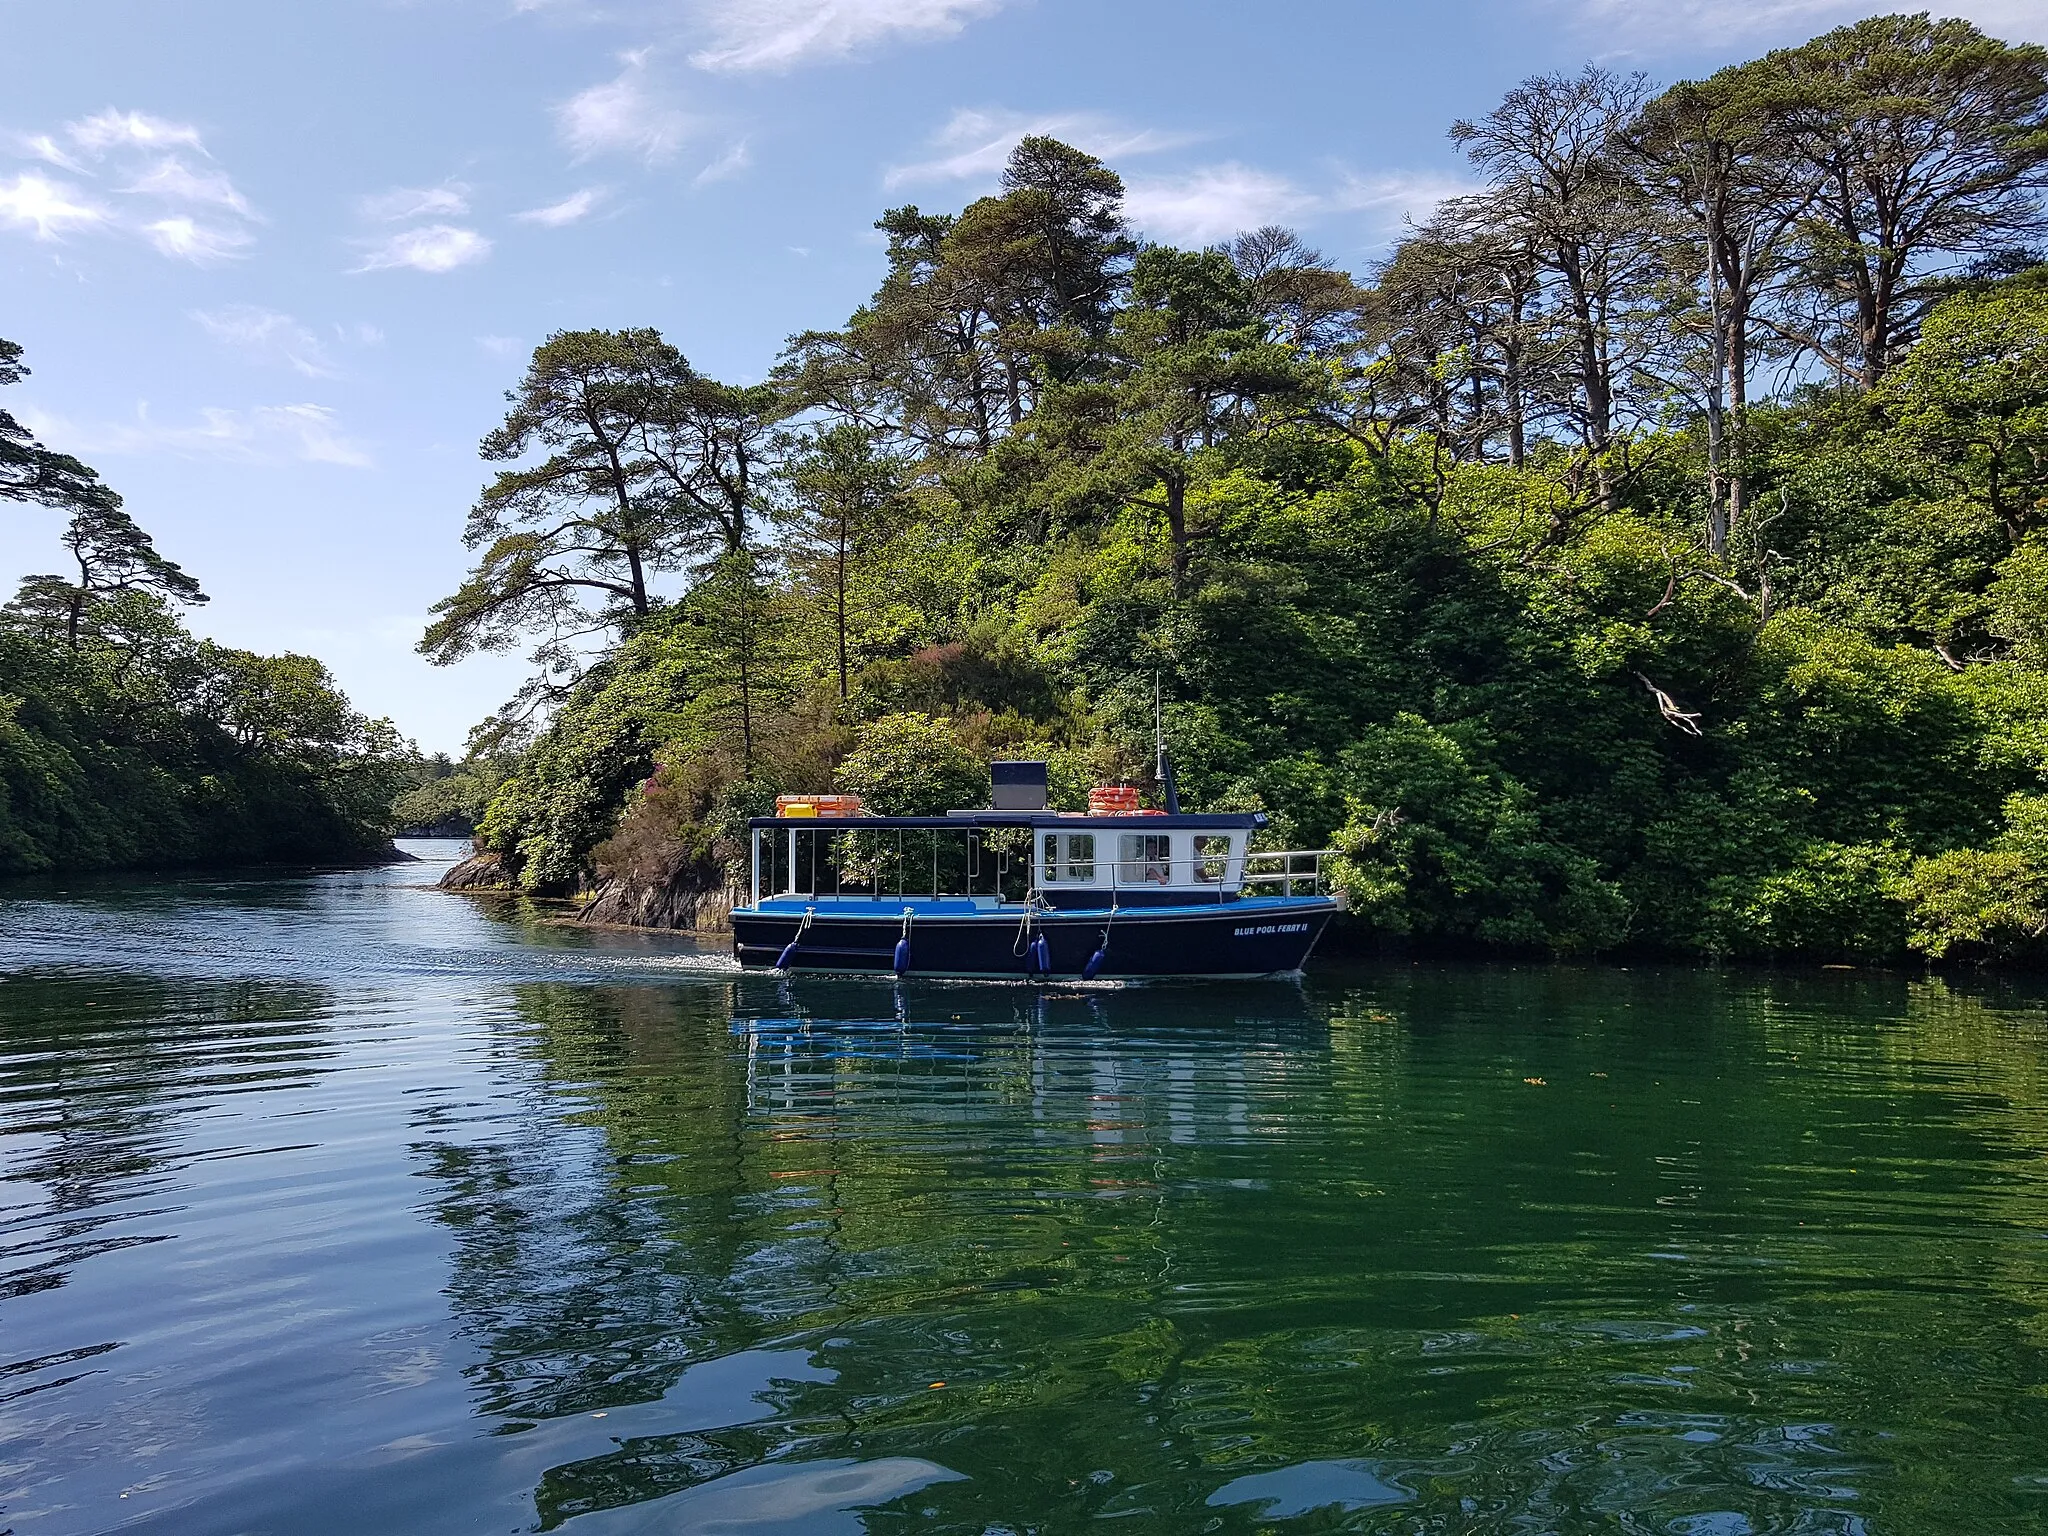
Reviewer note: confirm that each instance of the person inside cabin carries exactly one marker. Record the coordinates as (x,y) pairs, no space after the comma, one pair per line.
(1147,857)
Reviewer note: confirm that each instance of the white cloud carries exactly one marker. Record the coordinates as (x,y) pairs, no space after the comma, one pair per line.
(170,180)
(189,240)
(114,129)
(1395,198)
(265,336)
(501,346)
(40,146)
(313,430)
(265,434)
(627,115)
(779,34)
(1215,202)
(1193,207)
(726,166)
(49,208)
(402,203)
(431,248)
(1656,24)
(200,216)
(975,142)
(577,205)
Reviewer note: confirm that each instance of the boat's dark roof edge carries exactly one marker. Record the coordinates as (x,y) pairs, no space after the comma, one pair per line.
(969,820)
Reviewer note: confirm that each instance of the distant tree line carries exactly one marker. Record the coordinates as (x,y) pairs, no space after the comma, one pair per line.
(126,741)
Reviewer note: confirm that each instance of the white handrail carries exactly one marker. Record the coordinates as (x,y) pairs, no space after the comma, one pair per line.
(1290,873)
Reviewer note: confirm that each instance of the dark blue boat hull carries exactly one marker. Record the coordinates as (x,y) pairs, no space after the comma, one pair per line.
(1232,939)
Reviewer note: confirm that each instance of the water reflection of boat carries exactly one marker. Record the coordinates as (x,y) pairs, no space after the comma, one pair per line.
(1022,892)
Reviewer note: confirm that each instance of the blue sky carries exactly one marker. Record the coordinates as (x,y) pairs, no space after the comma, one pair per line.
(275,264)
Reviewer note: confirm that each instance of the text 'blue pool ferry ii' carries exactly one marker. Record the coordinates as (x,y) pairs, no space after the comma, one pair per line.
(1020,892)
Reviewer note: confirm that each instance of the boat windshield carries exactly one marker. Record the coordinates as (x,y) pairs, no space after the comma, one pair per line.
(893,863)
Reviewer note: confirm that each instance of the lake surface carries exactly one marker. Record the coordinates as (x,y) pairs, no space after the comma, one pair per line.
(339,1204)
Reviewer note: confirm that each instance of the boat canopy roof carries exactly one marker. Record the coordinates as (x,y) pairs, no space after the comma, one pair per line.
(1068,821)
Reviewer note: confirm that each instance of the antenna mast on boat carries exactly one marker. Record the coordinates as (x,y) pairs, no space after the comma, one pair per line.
(1165,762)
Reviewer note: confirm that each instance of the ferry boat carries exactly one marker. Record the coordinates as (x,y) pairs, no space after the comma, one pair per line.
(1021,892)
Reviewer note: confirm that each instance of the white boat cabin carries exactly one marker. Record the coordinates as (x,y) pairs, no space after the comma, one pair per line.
(994,859)
(1104,859)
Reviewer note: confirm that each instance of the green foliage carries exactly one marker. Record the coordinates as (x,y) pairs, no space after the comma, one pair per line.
(447,799)
(162,750)
(1970,401)
(1835,901)
(912,765)
(627,463)
(1442,844)
(2017,600)
(1492,575)
(1990,901)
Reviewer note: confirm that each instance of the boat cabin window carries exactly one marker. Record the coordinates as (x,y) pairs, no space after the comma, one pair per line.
(1080,856)
(1069,858)
(1144,856)
(1212,859)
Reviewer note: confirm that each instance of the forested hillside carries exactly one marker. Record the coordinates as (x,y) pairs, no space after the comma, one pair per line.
(1651,553)
(125,741)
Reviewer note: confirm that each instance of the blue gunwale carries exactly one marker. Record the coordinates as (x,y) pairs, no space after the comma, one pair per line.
(889,910)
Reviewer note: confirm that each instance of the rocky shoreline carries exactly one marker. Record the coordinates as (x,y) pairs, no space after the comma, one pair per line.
(689,897)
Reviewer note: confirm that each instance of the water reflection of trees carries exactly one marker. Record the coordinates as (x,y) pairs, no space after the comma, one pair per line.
(1153,1240)
(97,1074)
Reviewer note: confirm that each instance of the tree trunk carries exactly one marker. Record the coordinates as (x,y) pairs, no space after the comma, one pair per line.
(840,595)
(1717,383)
(639,579)
(746,661)
(1518,447)
(1737,364)
(1177,529)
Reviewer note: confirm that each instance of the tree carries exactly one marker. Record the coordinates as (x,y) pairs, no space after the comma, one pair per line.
(1308,303)
(583,521)
(707,444)
(1455,312)
(841,493)
(920,361)
(1050,250)
(1715,153)
(1550,152)
(1971,400)
(1192,364)
(978,309)
(28,470)
(1930,142)
(285,707)
(113,555)
(648,464)
(743,634)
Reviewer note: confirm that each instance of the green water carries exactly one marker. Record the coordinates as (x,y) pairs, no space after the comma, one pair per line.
(339,1204)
